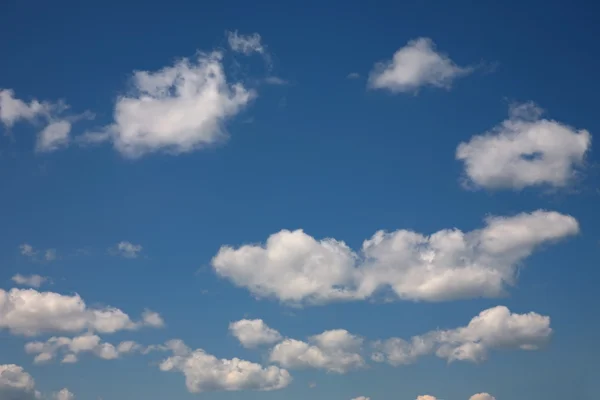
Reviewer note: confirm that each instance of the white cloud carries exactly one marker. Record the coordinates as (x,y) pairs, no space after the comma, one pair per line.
(361,398)
(274,80)
(205,373)
(153,319)
(72,347)
(64,394)
(426,397)
(29,312)
(524,150)
(246,44)
(482,396)
(493,329)
(54,136)
(353,75)
(253,333)
(334,351)
(29,251)
(177,109)
(127,249)
(415,65)
(449,264)
(16,384)
(29,280)
(57,128)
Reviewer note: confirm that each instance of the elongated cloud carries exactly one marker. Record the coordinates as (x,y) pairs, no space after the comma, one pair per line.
(449,264)
(29,312)
(523,151)
(205,373)
(415,65)
(493,329)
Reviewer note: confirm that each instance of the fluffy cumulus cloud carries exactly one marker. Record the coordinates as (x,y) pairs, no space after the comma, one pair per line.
(177,109)
(253,333)
(493,329)
(335,351)
(57,127)
(71,348)
(416,65)
(30,312)
(482,396)
(16,384)
(127,249)
(34,281)
(361,398)
(449,264)
(524,150)
(64,394)
(426,397)
(205,373)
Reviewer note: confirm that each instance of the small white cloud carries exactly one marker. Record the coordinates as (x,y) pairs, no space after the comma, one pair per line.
(493,329)
(34,281)
(50,255)
(296,268)
(13,110)
(178,109)
(365,398)
(523,151)
(274,80)
(245,44)
(27,250)
(482,396)
(29,312)
(334,351)
(206,373)
(253,333)
(426,397)
(153,319)
(128,249)
(54,136)
(415,65)
(64,394)
(353,75)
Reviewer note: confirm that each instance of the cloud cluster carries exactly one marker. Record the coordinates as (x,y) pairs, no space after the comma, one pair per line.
(29,312)
(177,109)
(72,347)
(335,351)
(16,384)
(494,328)
(204,372)
(57,127)
(416,65)
(253,333)
(523,151)
(449,264)
(30,252)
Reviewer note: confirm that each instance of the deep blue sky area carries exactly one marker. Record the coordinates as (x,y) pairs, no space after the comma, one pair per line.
(323,152)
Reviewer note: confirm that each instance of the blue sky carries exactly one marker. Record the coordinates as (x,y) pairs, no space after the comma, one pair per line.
(315,186)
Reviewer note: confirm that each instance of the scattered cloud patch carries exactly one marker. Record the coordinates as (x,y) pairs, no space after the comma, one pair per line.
(523,151)
(34,281)
(57,127)
(71,348)
(335,351)
(416,65)
(296,268)
(274,80)
(253,333)
(245,44)
(127,249)
(178,109)
(493,329)
(205,373)
(361,398)
(27,250)
(353,75)
(29,312)
(482,396)
(30,252)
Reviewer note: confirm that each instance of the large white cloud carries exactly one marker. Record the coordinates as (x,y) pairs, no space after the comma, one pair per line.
(334,351)
(29,312)
(16,384)
(524,150)
(253,332)
(177,109)
(415,65)
(449,264)
(70,348)
(493,329)
(205,373)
